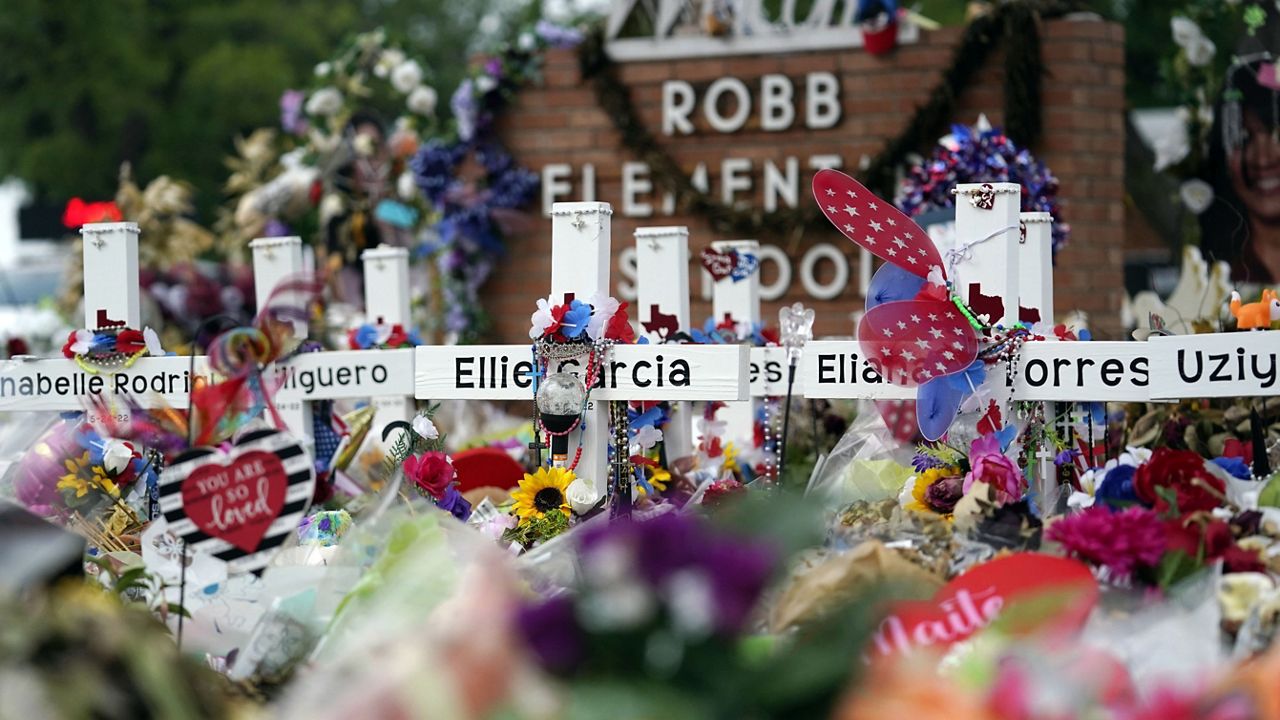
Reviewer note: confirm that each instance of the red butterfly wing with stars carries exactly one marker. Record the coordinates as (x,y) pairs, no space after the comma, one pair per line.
(914,341)
(884,230)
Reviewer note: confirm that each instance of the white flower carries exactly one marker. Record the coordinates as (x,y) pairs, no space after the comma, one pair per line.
(405,186)
(83,341)
(424,427)
(1201,51)
(154,349)
(388,60)
(1172,147)
(1185,31)
(541,319)
(484,84)
(526,41)
(1080,500)
(422,100)
(331,206)
(604,308)
(323,69)
(406,76)
(490,24)
(648,436)
(325,102)
(116,456)
(363,144)
(1196,194)
(907,495)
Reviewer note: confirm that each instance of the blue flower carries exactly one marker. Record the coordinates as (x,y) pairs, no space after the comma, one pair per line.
(575,320)
(1234,467)
(1116,489)
(366,335)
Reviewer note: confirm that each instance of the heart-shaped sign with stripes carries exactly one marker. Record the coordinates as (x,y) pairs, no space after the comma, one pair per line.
(239,505)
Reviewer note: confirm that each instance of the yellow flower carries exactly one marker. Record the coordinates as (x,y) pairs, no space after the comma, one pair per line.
(542,493)
(730,457)
(658,478)
(921,486)
(74,479)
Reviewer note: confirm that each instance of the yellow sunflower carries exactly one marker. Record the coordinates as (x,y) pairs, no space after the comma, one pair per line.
(921,486)
(730,457)
(81,477)
(542,493)
(658,478)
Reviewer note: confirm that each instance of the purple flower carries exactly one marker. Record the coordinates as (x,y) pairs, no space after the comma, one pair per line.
(1116,489)
(552,633)
(275,228)
(557,36)
(493,67)
(291,117)
(922,462)
(943,494)
(1066,457)
(463,104)
(453,503)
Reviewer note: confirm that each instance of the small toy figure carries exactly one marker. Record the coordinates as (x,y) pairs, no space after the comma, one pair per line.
(1256,316)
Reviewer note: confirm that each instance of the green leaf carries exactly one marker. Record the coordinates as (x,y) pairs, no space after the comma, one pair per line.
(1270,495)
(1175,566)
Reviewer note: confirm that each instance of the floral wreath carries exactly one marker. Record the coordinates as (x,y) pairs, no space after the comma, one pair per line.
(111,345)
(982,154)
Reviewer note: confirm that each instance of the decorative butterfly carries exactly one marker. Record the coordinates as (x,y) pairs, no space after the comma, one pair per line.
(913,334)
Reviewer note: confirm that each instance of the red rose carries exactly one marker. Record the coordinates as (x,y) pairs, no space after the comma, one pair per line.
(66,348)
(1237,559)
(432,472)
(1200,536)
(130,342)
(1183,473)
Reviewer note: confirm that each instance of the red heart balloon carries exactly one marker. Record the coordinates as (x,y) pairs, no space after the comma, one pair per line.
(976,598)
(236,501)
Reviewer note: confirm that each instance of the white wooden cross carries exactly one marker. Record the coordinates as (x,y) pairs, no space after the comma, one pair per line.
(386,301)
(111,292)
(740,300)
(580,260)
(335,375)
(662,300)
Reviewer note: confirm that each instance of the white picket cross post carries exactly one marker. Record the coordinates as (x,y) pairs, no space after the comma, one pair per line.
(386,300)
(662,289)
(987,266)
(580,265)
(739,299)
(1035,264)
(111,290)
(276,260)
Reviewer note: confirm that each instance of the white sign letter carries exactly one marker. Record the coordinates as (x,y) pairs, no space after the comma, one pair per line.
(821,100)
(677,102)
(711,105)
(635,180)
(777,110)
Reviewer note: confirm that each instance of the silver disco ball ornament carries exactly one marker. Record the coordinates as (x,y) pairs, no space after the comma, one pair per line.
(561,394)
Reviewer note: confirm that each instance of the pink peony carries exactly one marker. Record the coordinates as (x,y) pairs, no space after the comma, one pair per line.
(1120,541)
(432,472)
(988,465)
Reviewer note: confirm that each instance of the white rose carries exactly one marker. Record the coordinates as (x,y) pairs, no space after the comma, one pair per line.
(388,61)
(325,102)
(323,69)
(484,84)
(116,456)
(422,100)
(1201,51)
(526,42)
(1185,31)
(424,427)
(406,76)
(1196,194)
(406,187)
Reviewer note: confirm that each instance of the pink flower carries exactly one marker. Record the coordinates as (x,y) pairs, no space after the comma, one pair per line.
(1120,541)
(432,472)
(988,465)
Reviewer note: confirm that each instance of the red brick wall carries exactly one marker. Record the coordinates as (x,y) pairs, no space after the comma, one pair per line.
(1083,144)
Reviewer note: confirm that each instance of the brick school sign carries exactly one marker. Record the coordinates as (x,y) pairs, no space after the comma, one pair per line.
(751,129)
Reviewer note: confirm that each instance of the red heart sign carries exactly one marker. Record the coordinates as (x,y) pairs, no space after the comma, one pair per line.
(719,264)
(976,598)
(238,501)
(239,506)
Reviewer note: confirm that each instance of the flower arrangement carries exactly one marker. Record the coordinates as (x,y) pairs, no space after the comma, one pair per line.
(420,452)
(112,346)
(597,320)
(381,336)
(981,154)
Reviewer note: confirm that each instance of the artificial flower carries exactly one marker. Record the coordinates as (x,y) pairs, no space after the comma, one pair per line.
(1116,489)
(453,503)
(619,326)
(541,493)
(79,342)
(82,477)
(1182,474)
(1122,541)
(604,308)
(363,337)
(130,342)
(425,428)
(574,322)
(432,472)
(1201,51)
(543,320)
(924,497)
(1172,147)
(116,457)
(991,466)
(324,102)
(396,337)
(406,76)
(1235,467)
(406,188)
(1196,194)
(152,340)
(1184,30)
(1236,448)
(422,100)
(648,436)
(658,479)
(721,491)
